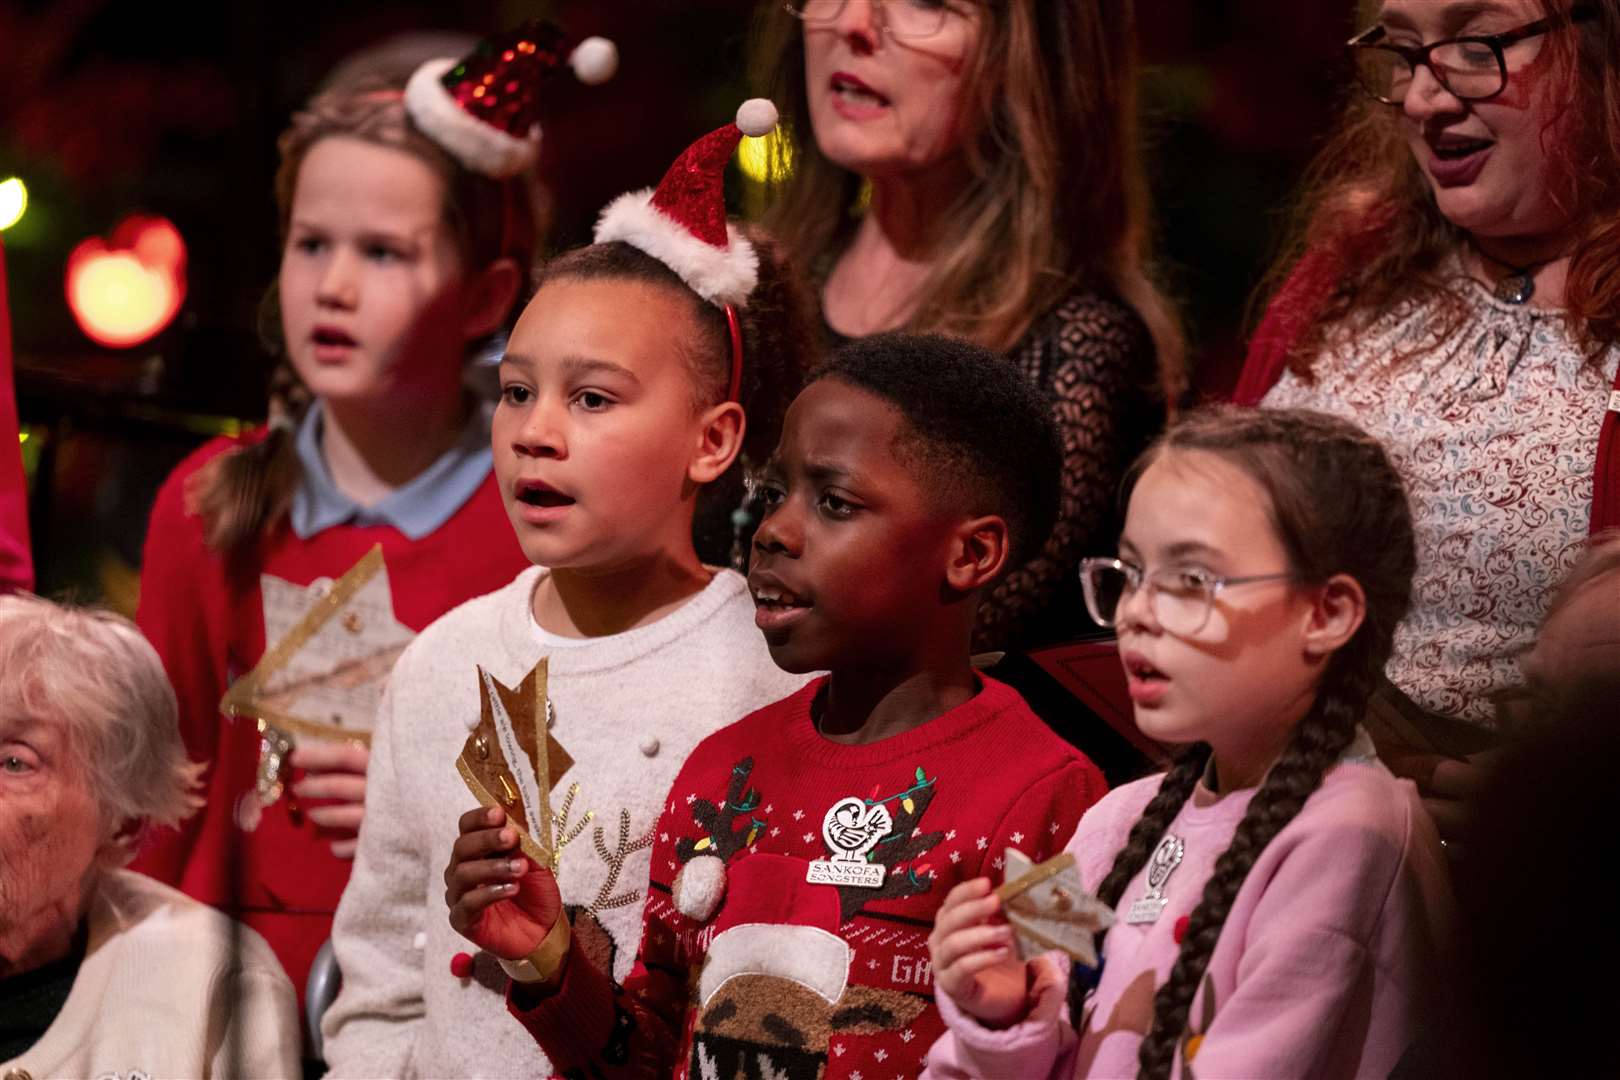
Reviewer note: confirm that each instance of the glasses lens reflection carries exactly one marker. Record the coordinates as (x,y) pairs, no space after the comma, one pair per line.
(1469,70)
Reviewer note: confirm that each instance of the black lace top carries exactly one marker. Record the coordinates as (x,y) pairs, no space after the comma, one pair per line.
(1095,356)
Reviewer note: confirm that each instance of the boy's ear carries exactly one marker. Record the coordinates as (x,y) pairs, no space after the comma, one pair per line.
(720,439)
(978,550)
(490,296)
(1336,614)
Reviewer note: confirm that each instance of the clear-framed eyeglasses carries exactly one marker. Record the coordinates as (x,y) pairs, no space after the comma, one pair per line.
(1180,598)
(903,20)
(1470,68)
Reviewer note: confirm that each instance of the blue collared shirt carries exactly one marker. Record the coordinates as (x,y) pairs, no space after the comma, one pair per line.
(416,509)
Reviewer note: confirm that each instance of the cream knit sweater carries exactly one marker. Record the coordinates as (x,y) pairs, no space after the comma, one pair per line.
(158,995)
(628,710)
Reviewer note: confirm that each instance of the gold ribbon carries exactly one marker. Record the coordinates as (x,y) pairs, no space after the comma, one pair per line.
(242,699)
(1051,868)
(547,958)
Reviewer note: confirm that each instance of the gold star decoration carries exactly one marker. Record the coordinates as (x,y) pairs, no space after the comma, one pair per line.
(501,764)
(331,645)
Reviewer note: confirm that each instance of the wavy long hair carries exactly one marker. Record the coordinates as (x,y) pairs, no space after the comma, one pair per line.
(1058,198)
(1364,198)
(1364,530)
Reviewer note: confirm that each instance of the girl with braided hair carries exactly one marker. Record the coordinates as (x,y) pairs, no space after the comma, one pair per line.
(1277,894)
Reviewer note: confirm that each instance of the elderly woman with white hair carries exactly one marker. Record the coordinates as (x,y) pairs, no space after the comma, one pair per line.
(104,972)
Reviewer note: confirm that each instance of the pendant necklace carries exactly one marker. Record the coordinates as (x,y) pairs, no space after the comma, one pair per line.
(1520,283)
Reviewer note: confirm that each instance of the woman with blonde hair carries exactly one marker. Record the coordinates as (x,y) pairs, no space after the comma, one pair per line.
(971,169)
(1454,288)
(103,971)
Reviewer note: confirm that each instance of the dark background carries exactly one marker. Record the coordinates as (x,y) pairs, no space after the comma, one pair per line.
(109,107)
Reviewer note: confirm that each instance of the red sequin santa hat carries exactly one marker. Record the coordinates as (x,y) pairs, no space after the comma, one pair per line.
(682,223)
(484,108)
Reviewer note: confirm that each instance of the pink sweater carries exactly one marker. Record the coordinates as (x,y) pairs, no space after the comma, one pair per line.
(1319,968)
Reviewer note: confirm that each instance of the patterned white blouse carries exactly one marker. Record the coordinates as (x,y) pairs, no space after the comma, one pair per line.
(1495,431)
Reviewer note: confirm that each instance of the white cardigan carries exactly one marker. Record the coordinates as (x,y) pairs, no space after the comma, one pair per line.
(153,995)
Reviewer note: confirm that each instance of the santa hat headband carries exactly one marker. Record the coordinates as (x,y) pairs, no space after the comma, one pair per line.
(682,223)
(484,109)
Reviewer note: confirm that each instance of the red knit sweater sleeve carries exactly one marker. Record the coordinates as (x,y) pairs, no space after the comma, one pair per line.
(183,611)
(590,1025)
(1288,314)
(1041,820)
(1606,478)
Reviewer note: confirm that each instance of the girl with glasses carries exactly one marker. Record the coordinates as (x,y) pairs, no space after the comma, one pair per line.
(971,169)
(1453,288)
(1277,894)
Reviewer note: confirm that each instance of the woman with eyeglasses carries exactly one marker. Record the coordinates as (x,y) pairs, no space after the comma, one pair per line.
(1454,288)
(971,169)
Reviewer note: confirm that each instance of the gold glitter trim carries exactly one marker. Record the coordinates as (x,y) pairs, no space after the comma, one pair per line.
(243,697)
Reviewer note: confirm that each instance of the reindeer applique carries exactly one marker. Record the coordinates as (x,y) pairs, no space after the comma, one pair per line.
(774,993)
(590,935)
(723,834)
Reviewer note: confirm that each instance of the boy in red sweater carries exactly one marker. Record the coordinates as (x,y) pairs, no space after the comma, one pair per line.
(804,850)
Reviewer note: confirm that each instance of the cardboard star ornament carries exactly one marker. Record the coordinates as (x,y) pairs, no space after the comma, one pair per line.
(510,759)
(1049,908)
(330,647)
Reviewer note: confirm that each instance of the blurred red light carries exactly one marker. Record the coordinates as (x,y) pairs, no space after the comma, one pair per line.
(125,292)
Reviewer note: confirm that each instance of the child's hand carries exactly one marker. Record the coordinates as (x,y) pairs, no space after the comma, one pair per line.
(334,771)
(973,956)
(498,898)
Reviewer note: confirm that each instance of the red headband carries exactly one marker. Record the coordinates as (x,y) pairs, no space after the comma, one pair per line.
(734,388)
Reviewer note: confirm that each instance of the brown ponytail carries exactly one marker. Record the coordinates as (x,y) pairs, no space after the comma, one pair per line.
(243,494)
(1363,529)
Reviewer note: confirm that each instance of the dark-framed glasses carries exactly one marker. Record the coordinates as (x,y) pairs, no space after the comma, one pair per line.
(1180,598)
(1470,68)
(906,20)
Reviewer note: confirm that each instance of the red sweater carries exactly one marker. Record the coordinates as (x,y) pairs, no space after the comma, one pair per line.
(815,979)
(209,629)
(1291,312)
(16,568)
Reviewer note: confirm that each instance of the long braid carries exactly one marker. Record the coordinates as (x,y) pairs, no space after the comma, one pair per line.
(1174,791)
(1365,532)
(1317,743)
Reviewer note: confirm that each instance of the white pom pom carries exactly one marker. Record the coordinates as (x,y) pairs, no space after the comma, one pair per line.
(756,116)
(699,887)
(594,60)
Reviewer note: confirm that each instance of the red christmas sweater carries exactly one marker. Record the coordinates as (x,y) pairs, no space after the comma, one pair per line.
(802,971)
(208,626)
